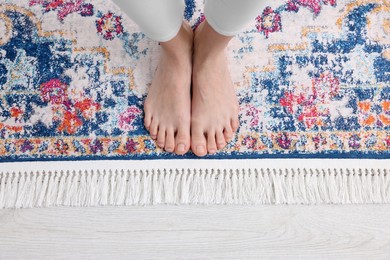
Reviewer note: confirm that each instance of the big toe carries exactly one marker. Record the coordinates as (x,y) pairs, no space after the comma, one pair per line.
(182,141)
(198,143)
(170,140)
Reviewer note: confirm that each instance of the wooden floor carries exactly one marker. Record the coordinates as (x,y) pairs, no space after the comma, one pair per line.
(193,232)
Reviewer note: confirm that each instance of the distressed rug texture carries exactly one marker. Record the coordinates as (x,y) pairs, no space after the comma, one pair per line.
(312,78)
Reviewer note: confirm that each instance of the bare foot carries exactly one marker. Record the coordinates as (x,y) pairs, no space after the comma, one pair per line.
(168,104)
(214,117)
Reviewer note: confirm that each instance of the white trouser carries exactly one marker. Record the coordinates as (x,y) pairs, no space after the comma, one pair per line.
(161,20)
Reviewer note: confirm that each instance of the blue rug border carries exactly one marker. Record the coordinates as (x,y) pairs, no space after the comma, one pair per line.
(239,156)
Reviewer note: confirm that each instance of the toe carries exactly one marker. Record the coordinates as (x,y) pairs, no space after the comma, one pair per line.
(161,137)
(198,142)
(147,120)
(211,145)
(182,141)
(235,124)
(153,128)
(220,139)
(228,133)
(170,140)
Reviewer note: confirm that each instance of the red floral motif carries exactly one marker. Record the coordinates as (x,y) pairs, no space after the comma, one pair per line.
(308,112)
(70,122)
(109,25)
(308,103)
(16,113)
(68,114)
(87,107)
(65,7)
(268,22)
(66,110)
(61,146)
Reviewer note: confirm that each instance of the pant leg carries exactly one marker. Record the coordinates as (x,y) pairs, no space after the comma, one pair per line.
(160,20)
(229,17)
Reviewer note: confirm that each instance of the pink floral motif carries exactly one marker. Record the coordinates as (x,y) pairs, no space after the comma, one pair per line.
(304,105)
(313,5)
(96,146)
(65,7)
(354,141)
(27,146)
(387,141)
(268,22)
(249,142)
(54,91)
(319,140)
(284,141)
(325,87)
(109,25)
(66,110)
(308,103)
(131,146)
(253,113)
(127,118)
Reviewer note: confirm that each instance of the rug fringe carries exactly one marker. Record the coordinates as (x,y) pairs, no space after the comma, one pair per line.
(191,186)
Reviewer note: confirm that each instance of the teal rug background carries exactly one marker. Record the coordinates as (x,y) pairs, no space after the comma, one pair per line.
(312,77)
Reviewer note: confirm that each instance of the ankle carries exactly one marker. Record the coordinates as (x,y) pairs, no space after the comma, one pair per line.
(208,41)
(182,42)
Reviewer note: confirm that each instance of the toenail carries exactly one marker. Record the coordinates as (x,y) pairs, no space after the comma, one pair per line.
(181,148)
(169,149)
(212,151)
(200,149)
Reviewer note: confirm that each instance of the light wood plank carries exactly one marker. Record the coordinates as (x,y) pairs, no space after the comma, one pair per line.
(197,232)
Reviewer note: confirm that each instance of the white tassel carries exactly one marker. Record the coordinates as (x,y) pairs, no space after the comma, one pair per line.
(193,186)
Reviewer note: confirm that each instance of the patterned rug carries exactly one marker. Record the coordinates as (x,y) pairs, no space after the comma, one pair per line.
(312,77)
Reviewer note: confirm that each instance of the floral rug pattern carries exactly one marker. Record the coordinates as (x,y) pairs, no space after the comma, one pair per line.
(312,77)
